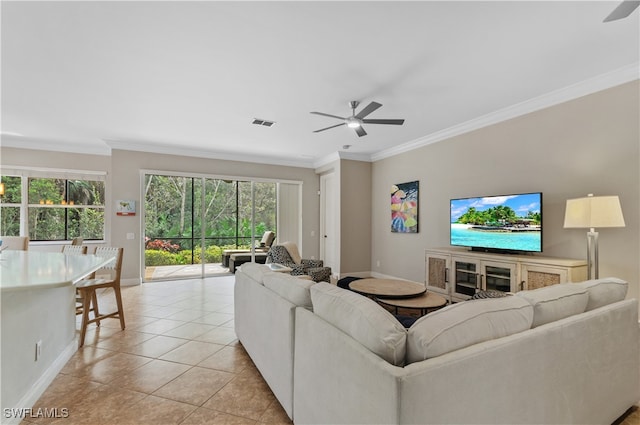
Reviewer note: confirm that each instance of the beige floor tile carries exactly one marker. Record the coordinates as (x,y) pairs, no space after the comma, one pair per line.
(156,346)
(112,367)
(123,339)
(243,396)
(62,391)
(275,414)
(231,324)
(195,386)
(192,352)
(100,406)
(151,376)
(159,326)
(230,359)
(96,334)
(202,416)
(154,411)
(217,306)
(85,356)
(190,330)
(215,319)
(162,312)
(218,335)
(187,315)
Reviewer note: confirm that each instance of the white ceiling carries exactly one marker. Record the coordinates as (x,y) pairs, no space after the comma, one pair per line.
(189,77)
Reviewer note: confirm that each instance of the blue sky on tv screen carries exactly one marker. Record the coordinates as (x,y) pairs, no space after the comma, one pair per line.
(521,204)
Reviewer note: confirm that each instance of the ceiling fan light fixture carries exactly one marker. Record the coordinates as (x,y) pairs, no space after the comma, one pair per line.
(353,123)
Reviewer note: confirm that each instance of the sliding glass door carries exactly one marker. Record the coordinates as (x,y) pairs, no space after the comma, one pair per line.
(191,220)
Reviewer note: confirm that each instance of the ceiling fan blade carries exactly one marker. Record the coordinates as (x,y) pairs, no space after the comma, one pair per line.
(623,10)
(360,131)
(328,115)
(327,128)
(383,121)
(368,109)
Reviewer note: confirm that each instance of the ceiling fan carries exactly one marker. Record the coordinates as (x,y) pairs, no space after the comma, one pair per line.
(355,121)
(623,10)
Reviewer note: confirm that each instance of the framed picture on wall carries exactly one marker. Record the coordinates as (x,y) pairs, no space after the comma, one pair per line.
(125,207)
(404,207)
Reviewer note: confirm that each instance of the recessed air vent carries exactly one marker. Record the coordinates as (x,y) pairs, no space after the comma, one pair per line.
(265,123)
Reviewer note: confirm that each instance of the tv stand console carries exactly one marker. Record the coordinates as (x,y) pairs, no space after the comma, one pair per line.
(458,273)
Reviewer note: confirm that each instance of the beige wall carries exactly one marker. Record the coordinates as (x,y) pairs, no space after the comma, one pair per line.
(123,182)
(355,217)
(126,185)
(588,145)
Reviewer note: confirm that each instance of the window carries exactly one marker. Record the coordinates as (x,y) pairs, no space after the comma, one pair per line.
(10,206)
(49,207)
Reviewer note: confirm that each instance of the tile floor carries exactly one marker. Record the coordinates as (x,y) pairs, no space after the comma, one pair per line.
(178,362)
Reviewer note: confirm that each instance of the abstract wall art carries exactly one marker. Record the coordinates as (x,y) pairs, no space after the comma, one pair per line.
(404,207)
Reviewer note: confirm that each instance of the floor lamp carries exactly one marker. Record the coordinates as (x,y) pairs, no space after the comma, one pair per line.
(592,212)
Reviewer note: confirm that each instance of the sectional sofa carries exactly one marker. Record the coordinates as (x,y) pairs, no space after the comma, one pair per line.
(567,353)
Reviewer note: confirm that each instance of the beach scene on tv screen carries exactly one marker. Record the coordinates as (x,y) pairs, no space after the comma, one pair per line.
(510,222)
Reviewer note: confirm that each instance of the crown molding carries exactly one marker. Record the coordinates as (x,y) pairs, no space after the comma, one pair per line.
(602,82)
(336,156)
(24,142)
(201,153)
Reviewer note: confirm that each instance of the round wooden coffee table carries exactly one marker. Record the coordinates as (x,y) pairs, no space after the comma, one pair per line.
(424,303)
(388,288)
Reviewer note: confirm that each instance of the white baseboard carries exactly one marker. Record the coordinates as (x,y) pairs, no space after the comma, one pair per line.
(39,387)
(131,282)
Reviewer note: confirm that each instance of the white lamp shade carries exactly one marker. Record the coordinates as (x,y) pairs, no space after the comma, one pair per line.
(593,211)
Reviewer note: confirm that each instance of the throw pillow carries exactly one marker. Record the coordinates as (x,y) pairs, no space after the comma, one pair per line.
(464,324)
(604,291)
(292,248)
(555,302)
(362,319)
(290,288)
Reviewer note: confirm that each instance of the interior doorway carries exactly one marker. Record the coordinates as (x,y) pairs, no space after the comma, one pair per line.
(329,222)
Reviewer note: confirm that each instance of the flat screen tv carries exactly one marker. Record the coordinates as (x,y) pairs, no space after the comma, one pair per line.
(504,223)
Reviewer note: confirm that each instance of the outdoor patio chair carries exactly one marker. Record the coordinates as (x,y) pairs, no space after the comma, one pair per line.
(288,255)
(265,243)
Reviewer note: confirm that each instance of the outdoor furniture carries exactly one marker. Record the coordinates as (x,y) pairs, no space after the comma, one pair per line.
(237,259)
(265,243)
(288,255)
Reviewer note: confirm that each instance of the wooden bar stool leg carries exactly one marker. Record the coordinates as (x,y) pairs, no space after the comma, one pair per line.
(86,306)
(96,313)
(120,308)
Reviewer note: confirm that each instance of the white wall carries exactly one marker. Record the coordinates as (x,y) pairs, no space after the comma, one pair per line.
(588,145)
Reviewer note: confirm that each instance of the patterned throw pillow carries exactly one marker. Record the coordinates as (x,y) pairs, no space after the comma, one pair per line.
(489,294)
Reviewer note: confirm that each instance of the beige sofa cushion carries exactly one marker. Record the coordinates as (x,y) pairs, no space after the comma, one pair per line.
(463,324)
(290,288)
(604,291)
(362,319)
(555,302)
(255,271)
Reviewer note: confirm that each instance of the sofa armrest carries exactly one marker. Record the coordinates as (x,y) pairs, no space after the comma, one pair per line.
(332,369)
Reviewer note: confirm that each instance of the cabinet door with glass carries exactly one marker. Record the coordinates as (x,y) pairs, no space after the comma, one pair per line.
(437,272)
(465,277)
(471,275)
(497,276)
